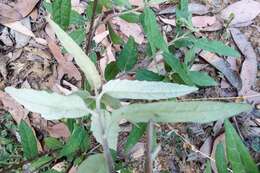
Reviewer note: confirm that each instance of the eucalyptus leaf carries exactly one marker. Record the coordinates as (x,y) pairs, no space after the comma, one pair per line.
(28,140)
(93,164)
(147,90)
(51,106)
(82,60)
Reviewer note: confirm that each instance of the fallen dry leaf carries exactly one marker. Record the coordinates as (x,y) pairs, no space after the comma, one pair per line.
(8,14)
(244,11)
(65,67)
(206,146)
(100,37)
(16,110)
(25,7)
(223,67)
(203,23)
(130,29)
(249,68)
(59,130)
(194,8)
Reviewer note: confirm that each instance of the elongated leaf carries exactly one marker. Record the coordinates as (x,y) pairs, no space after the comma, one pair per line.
(221,161)
(154,36)
(51,106)
(145,89)
(135,135)
(202,79)
(74,143)
(110,127)
(128,56)
(93,164)
(61,12)
(177,67)
(82,60)
(28,141)
(216,47)
(237,153)
(171,111)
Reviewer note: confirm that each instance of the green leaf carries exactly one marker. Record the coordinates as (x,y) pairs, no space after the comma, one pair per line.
(78,35)
(76,18)
(208,167)
(51,106)
(111,101)
(124,3)
(28,140)
(110,127)
(82,60)
(151,29)
(52,143)
(61,12)
(202,79)
(171,111)
(183,16)
(93,164)
(143,74)
(237,153)
(147,90)
(177,67)
(216,47)
(221,162)
(131,17)
(75,142)
(113,36)
(111,71)
(190,56)
(135,135)
(128,56)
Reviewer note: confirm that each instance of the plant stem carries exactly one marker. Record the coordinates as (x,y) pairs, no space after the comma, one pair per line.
(107,153)
(90,33)
(149,146)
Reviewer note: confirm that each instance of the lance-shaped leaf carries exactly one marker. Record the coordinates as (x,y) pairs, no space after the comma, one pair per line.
(111,129)
(171,111)
(50,105)
(216,47)
(147,90)
(237,153)
(82,60)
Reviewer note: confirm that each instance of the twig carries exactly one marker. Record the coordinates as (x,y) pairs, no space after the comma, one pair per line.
(149,146)
(90,33)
